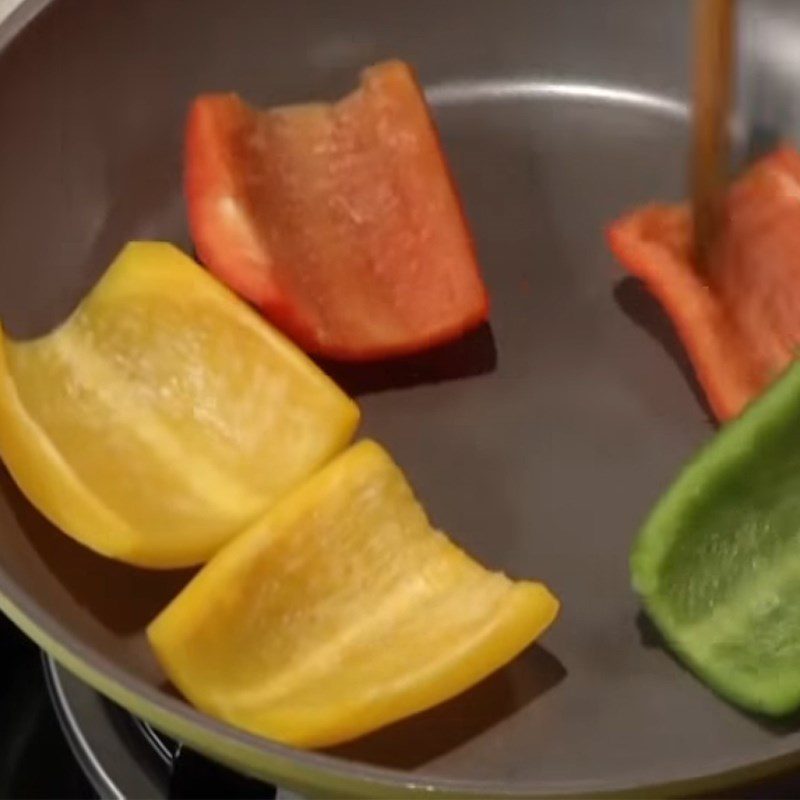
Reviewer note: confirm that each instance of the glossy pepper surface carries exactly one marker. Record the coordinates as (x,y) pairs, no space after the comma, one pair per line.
(740,321)
(164,415)
(340,611)
(340,221)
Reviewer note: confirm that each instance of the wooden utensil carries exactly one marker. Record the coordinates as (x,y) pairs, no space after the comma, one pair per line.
(714,28)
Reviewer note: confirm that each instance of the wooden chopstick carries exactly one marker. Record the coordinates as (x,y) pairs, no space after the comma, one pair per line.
(714,34)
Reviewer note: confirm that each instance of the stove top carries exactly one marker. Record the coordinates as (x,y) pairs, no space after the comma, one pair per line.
(124,757)
(59,738)
(35,760)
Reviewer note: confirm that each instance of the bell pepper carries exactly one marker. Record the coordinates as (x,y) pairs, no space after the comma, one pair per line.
(717,564)
(164,415)
(340,222)
(340,611)
(739,319)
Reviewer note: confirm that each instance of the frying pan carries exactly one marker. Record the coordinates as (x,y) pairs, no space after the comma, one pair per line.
(540,442)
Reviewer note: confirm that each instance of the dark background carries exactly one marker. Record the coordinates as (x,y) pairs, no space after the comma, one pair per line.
(35,760)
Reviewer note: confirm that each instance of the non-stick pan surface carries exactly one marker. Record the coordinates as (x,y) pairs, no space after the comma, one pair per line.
(539,442)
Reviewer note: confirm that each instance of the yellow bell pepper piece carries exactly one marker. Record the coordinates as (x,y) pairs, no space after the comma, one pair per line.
(164,415)
(340,611)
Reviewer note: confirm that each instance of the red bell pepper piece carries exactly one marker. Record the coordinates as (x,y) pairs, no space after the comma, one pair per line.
(340,222)
(739,322)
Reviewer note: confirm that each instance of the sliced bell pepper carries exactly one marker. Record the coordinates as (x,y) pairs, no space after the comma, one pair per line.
(740,322)
(717,564)
(340,222)
(340,611)
(164,415)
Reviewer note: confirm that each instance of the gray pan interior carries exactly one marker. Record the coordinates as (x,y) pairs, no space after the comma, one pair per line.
(540,442)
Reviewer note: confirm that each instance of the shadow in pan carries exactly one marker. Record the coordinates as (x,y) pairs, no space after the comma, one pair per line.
(643,309)
(473,354)
(420,739)
(122,598)
(650,637)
